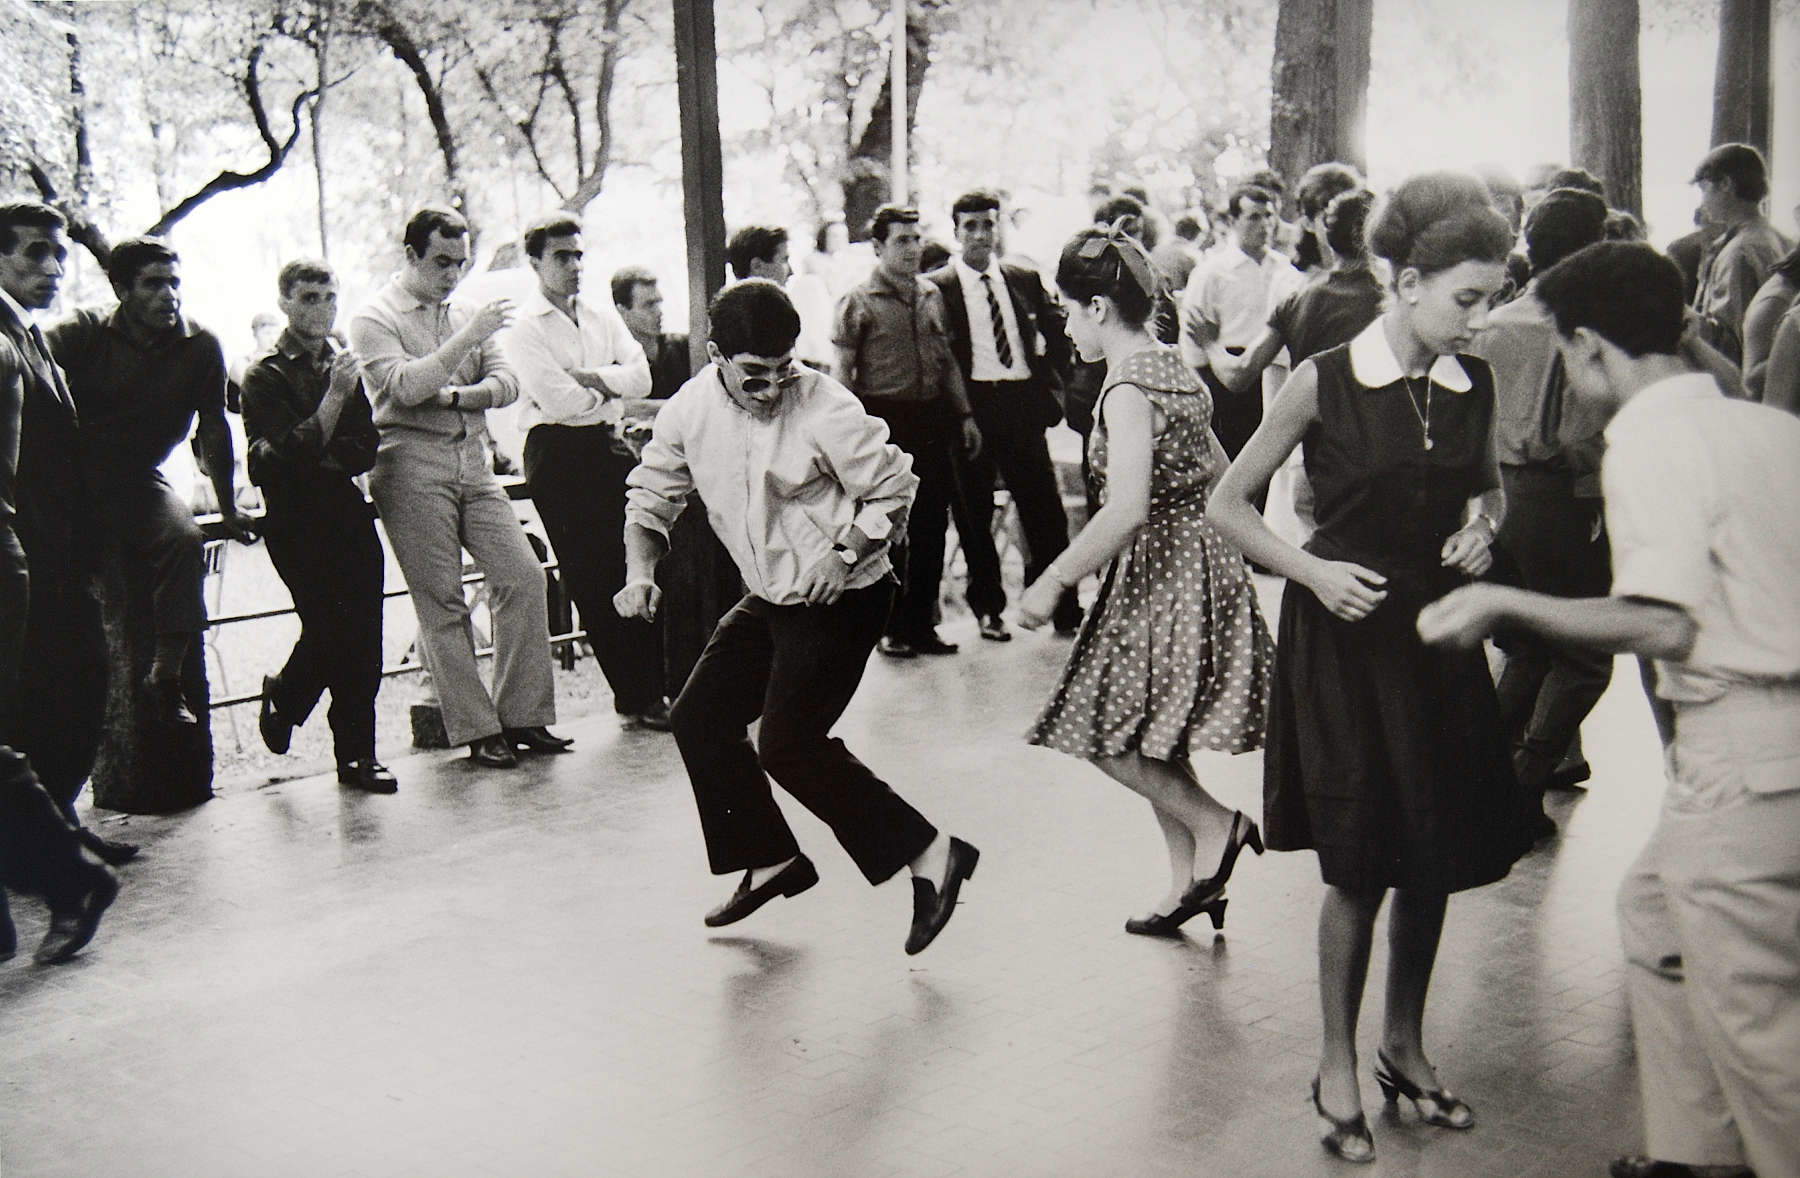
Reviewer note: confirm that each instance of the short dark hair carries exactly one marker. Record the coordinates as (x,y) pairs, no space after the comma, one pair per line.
(978,200)
(1623,226)
(302,270)
(1738,164)
(1624,291)
(558,224)
(428,221)
(753,317)
(1234,204)
(754,243)
(129,257)
(26,214)
(888,215)
(933,254)
(1322,182)
(625,282)
(1190,225)
(1564,221)
(1269,180)
(1577,178)
(1112,208)
(1436,220)
(1085,270)
(1345,219)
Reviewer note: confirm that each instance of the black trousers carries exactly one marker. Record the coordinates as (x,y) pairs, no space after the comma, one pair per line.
(40,854)
(325,548)
(927,431)
(577,476)
(1013,448)
(1547,688)
(796,667)
(59,706)
(155,529)
(1236,417)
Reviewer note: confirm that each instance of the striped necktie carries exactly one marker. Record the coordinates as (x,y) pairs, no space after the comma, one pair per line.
(1002,349)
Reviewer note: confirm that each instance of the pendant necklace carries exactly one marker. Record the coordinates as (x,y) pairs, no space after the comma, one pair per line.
(1412,402)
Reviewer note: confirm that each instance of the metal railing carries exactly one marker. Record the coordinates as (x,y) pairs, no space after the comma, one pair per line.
(211,528)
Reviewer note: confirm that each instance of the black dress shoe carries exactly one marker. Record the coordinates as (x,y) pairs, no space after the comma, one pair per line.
(277,733)
(896,648)
(537,740)
(932,644)
(163,697)
(1638,1166)
(654,718)
(111,853)
(368,775)
(1570,777)
(993,628)
(791,880)
(932,907)
(493,752)
(71,930)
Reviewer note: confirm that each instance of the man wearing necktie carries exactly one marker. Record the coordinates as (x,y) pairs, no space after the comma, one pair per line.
(1007,336)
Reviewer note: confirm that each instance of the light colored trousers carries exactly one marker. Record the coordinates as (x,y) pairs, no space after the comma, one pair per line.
(1710,917)
(437,498)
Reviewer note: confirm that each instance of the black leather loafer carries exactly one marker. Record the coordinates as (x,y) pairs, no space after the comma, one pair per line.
(70,931)
(163,697)
(932,644)
(537,740)
(277,733)
(111,852)
(993,628)
(368,775)
(933,908)
(493,752)
(791,880)
(654,718)
(896,648)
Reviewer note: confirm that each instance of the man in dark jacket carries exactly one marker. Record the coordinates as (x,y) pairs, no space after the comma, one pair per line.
(311,432)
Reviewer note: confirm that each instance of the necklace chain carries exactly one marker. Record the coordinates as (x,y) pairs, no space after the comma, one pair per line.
(1412,402)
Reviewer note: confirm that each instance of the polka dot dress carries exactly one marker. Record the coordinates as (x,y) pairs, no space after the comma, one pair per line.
(1174,656)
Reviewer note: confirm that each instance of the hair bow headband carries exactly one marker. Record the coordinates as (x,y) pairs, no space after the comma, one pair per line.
(1132,258)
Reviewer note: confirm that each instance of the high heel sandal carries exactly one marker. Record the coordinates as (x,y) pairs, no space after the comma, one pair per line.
(1435,1106)
(1243,834)
(1348,1137)
(1168,924)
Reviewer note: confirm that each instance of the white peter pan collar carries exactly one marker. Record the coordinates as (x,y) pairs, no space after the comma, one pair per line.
(1374,365)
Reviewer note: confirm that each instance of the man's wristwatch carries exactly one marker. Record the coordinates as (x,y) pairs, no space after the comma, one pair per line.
(847,555)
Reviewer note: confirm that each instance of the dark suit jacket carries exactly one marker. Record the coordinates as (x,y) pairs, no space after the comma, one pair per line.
(53,506)
(1040,322)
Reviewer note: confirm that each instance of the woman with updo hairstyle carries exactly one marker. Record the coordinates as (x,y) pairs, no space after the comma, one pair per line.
(1173,657)
(1386,757)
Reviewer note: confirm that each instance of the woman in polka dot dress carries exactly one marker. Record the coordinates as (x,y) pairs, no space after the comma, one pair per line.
(1173,658)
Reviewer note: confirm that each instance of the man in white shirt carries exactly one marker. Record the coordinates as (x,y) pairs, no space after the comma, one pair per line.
(806,492)
(582,377)
(1227,303)
(1706,579)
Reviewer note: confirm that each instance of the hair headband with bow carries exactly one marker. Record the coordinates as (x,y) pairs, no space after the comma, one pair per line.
(1132,258)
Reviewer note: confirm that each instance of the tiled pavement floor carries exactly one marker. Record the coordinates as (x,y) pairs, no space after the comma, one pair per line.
(505,974)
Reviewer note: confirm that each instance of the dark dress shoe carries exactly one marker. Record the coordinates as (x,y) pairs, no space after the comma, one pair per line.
(654,718)
(493,752)
(1639,1166)
(993,628)
(70,931)
(1570,777)
(791,880)
(537,740)
(163,697)
(277,733)
(932,907)
(111,853)
(896,648)
(368,775)
(932,644)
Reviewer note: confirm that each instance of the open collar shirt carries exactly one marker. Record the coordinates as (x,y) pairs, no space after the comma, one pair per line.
(396,335)
(984,357)
(1699,490)
(289,448)
(545,345)
(780,491)
(899,336)
(1234,293)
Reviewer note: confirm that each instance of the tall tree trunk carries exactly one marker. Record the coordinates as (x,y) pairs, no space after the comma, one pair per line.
(866,179)
(1605,117)
(1742,98)
(401,44)
(1320,84)
(320,52)
(589,184)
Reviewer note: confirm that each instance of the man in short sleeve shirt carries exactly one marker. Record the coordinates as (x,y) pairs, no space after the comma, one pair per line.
(1706,579)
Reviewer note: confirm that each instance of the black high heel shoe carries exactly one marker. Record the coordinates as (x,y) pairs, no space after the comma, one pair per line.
(1168,924)
(1348,1137)
(1436,1106)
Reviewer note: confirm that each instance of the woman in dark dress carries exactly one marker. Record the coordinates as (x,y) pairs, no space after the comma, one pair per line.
(1386,757)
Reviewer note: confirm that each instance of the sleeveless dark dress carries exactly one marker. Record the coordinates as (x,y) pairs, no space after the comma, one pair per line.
(1386,756)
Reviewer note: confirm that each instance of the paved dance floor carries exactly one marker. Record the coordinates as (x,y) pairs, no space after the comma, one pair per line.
(504,974)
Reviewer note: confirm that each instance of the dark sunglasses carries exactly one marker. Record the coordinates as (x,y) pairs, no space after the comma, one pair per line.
(787,378)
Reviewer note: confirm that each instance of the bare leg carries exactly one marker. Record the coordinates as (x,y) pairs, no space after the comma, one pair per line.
(1346,931)
(1172,790)
(1180,841)
(1414,925)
